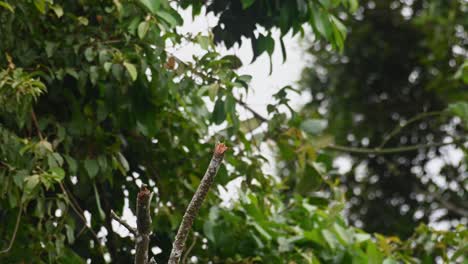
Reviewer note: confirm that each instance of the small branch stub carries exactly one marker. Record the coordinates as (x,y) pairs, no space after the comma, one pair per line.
(143,225)
(195,204)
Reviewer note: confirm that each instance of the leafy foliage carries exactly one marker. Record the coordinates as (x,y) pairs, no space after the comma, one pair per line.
(398,82)
(93,105)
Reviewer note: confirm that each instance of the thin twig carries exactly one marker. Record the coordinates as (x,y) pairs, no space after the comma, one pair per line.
(196,203)
(454,208)
(463,212)
(399,127)
(388,150)
(194,241)
(253,112)
(36,124)
(15,231)
(124,223)
(76,208)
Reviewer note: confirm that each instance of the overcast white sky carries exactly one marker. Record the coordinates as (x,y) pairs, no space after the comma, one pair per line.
(263,85)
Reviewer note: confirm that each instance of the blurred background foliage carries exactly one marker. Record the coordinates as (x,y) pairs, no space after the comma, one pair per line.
(93,105)
(389,88)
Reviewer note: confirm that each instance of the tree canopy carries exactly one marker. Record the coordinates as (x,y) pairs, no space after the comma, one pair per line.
(401,67)
(92,105)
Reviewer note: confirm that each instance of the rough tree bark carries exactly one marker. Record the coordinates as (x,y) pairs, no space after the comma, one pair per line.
(195,204)
(143,231)
(143,225)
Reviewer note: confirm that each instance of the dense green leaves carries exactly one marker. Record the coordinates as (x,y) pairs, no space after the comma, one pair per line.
(92,105)
(397,83)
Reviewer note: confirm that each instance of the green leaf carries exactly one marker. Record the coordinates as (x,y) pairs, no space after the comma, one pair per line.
(208,231)
(330,238)
(283,50)
(390,261)
(57,173)
(261,230)
(7,6)
(232,62)
(58,10)
(131,69)
(321,22)
(143,29)
(313,126)
(31,183)
(83,21)
(117,71)
(361,237)
(151,5)
(213,91)
(460,109)
(339,32)
(19,177)
(104,56)
(262,44)
(39,209)
(249,124)
(102,161)
(93,74)
(107,66)
(247,3)
(230,104)
(462,251)
(72,165)
(89,54)
(373,254)
(170,17)
(204,42)
(92,167)
(123,162)
(70,257)
(58,158)
(353,5)
(309,181)
(102,215)
(70,234)
(267,44)
(343,235)
(219,113)
(40,5)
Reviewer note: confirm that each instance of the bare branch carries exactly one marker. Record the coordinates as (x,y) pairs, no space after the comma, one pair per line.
(399,127)
(143,225)
(194,241)
(79,212)
(13,237)
(454,208)
(388,150)
(124,223)
(195,204)
(36,124)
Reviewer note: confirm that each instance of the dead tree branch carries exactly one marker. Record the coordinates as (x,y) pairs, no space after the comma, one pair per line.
(143,231)
(124,223)
(143,225)
(15,231)
(195,204)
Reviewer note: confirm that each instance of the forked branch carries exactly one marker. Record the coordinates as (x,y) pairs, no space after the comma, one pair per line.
(143,231)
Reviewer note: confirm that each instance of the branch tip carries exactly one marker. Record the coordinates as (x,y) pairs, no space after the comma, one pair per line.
(220,148)
(144,193)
